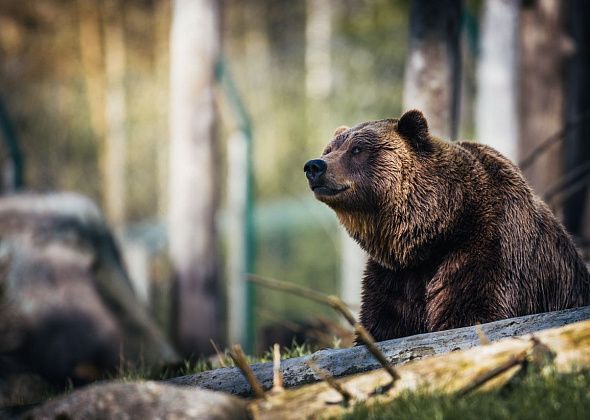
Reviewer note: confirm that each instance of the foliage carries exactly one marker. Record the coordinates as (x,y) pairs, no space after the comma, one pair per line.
(45,82)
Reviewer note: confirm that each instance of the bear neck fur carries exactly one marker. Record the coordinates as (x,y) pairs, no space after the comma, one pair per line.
(412,222)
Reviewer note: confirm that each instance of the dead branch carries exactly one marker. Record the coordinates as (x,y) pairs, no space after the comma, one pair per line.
(325,376)
(277,377)
(240,360)
(336,303)
(218,353)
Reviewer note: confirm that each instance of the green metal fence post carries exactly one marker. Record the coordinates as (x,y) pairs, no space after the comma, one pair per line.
(245,126)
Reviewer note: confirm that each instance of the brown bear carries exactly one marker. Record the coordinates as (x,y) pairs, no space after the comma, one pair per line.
(454,234)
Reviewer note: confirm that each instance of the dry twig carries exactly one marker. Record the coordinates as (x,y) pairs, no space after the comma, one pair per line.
(483,338)
(368,341)
(336,303)
(277,376)
(220,355)
(535,353)
(239,358)
(497,371)
(304,292)
(325,376)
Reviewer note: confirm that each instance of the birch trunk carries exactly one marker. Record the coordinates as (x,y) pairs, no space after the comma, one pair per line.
(496,115)
(194,183)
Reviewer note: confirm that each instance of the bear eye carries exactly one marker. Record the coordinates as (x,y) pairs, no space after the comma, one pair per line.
(356,150)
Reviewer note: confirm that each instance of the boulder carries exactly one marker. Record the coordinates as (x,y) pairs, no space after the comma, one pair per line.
(141,400)
(67,308)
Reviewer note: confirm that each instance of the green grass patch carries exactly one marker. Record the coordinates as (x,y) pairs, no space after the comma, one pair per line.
(190,367)
(536,397)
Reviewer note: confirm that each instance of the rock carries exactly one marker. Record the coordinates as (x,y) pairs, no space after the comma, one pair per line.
(67,308)
(141,400)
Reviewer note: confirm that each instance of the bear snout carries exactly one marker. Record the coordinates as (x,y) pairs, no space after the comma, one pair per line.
(314,169)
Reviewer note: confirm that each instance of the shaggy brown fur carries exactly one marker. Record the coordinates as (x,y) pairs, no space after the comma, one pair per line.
(454,233)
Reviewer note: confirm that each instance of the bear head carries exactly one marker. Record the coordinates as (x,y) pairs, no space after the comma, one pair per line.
(364,164)
(378,178)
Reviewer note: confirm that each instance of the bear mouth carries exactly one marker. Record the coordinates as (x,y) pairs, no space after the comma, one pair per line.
(324,190)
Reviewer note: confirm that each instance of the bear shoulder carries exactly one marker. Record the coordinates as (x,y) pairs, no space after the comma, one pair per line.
(498,168)
(486,154)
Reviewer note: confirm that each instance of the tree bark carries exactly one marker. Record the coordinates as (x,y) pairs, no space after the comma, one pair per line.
(194,183)
(433,69)
(496,115)
(541,102)
(398,351)
(577,146)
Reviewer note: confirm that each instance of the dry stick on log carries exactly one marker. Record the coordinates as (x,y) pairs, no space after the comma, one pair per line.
(366,338)
(325,376)
(336,303)
(531,354)
(483,338)
(488,376)
(304,292)
(277,376)
(239,358)
(315,333)
(218,353)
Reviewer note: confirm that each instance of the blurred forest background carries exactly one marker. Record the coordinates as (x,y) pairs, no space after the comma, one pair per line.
(92,95)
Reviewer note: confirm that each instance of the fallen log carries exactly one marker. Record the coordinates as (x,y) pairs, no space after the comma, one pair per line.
(343,362)
(565,349)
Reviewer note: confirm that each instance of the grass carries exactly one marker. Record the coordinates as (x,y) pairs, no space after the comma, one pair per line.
(535,397)
(190,367)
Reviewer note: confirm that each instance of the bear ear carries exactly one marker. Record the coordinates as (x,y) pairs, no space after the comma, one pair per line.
(340,130)
(413,126)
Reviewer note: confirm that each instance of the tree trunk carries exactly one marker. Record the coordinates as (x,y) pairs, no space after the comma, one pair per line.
(352,267)
(318,48)
(577,145)
(541,102)
(237,191)
(114,154)
(91,57)
(194,183)
(161,22)
(433,69)
(496,115)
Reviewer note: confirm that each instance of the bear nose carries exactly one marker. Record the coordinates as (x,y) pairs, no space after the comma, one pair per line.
(314,169)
